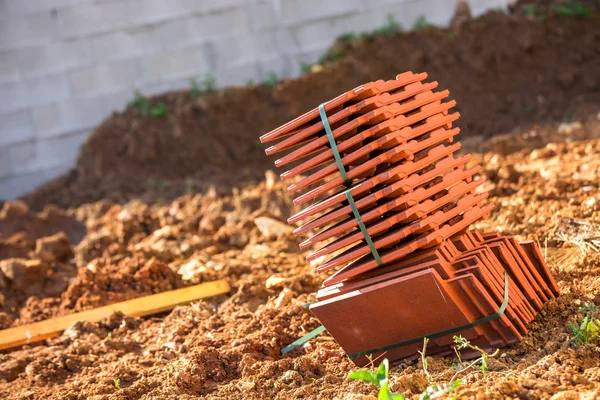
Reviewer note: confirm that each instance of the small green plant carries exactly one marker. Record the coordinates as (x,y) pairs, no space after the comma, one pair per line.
(140,102)
(589,329)
(481,362)
(436,391)
(194,88)
(572,9)
(392,26)
(271,80)
(117,383)
(109,336)
(144,107)
(170,367)
(159,111)
(421,24)
(305,68)
(209,83)
(349,36)
(380,379)
(530,10)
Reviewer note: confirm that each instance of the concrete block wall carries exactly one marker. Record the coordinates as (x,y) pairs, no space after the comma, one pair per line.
(66,64)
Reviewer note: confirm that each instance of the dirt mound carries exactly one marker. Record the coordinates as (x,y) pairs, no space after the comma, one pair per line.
(504,70)
(229,346)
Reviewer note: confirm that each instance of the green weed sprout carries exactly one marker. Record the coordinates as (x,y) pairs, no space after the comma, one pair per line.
(482,361)
(117,383)
(438,390)
(194,88)
(589,329)
(572,9)
(140,102)
(380,379)
(421,24)
(159,111)
(271,80)
(209,83)
(144,107)
(391,27)
(530,10)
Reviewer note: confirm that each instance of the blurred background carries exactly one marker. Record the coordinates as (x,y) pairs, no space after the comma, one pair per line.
(65,65)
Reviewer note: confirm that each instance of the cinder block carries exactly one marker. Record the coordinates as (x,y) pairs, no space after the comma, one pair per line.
(294,12)
(280,65)
(322,33)
(32,92)
(79,21)
(59,151)
(22,158)
(12,187)
(262,16)
(208,6)
(103,78)
(4,164)
(284,41)
(318,34)
(20,8)
(55,57)
(117,101)
(32,156)
(32,30)
(16,127)
(222,23)
(176,64)
(240,74)
(73,115)
(143,12)
(9,68)
(125,44)
(241,49)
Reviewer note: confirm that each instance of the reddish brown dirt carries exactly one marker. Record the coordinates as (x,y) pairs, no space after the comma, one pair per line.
(505,71)
(228,346)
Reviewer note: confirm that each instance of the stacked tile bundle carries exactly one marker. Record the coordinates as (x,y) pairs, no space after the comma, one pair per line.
(388,207)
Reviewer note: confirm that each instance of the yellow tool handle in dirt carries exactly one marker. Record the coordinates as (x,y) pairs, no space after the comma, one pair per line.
(139,307)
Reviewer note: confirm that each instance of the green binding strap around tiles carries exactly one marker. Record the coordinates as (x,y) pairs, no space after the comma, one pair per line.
(332,143)
(362,227)
(481,321)
(303,339)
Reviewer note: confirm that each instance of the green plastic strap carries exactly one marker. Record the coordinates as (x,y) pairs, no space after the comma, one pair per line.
(332,143)
(303,339)
(362,227)
(481,321)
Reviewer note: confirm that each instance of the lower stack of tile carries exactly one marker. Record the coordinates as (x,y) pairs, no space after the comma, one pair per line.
(391,208)
(432,291)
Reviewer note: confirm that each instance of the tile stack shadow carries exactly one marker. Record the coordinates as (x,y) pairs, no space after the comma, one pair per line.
(389,208)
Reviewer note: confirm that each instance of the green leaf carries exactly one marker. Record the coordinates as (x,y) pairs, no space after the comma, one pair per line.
(383,371)
(384,393)
(365,376)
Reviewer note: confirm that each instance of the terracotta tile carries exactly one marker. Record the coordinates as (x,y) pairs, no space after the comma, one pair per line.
(536,257)
(357,94)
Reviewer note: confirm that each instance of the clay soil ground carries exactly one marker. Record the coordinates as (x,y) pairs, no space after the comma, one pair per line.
(97,243)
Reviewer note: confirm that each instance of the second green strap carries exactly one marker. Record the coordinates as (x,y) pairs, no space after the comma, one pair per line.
(332,143)
(363,228)
(473,324)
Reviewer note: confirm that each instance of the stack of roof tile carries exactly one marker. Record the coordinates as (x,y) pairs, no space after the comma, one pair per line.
(389,207)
